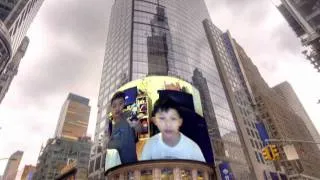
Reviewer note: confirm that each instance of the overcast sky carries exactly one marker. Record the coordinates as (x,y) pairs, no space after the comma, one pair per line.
(66,52)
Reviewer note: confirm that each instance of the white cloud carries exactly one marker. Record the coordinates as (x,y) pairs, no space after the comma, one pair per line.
(272,45)
(64,37)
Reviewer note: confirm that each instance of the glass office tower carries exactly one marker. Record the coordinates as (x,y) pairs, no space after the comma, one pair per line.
(165,37)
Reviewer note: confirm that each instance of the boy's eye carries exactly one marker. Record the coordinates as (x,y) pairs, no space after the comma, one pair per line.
(162,118)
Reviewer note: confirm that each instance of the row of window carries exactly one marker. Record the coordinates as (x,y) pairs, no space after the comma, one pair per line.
(21,23)
(165,174)
(22,17)
(253,133)
(256,144)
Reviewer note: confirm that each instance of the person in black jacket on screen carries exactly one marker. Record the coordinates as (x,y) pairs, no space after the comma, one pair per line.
(123,131)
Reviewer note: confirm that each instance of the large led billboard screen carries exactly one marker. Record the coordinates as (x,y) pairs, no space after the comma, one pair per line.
(162,118)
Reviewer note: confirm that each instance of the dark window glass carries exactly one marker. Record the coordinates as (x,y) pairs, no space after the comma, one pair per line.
(257,156)
(252,144)
(186,174)
(98,161)
(200,175)
(146,175)
(167,174)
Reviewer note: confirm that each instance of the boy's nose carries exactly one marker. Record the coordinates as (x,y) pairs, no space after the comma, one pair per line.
(167,123)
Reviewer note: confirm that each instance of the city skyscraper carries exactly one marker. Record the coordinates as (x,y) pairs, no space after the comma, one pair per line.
(12,68)
(70,142)
(241,98)
(282,123)
(304,19)
(16,17)
(74,117)
(58,152)
(28,172)
(11,170)
(287,92)
(166,38)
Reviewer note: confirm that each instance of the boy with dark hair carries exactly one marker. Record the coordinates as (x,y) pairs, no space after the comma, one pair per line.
(123,133)
(170,143)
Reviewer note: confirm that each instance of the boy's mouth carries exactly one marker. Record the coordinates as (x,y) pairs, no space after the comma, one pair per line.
(168,131)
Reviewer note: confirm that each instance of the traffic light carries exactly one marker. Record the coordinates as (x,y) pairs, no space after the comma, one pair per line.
(266,154)
(270,153)
(275,152)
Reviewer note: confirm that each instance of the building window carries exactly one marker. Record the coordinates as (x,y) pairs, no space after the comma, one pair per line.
(257,156)
(146,175)
(252,133)
(257,135)
(253,125)
(257,145)
(248,131)
(261,158)
(252,144)
(97,165)
(115,177)
(130,175)
(167,174)
(103,159)
(186,174)
(200,175)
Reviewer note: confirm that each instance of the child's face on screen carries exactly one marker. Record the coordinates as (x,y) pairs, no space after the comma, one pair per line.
(168,122)
(117,107)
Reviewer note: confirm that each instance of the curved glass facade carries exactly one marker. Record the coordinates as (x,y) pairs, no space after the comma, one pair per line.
(166,37)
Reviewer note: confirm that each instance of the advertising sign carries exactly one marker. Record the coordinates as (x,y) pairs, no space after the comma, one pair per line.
(290,152)
(274,176)
(30,175)
(165,115)
(263,133)
(225,171)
